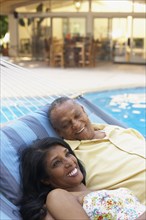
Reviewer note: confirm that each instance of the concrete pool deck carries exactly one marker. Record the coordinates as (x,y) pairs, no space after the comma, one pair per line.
(41,80)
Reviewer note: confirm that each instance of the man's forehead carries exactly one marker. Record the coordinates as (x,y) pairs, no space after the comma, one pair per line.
(64,112)
(67,104)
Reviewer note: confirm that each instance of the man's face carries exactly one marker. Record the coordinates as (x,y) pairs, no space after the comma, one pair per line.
(71,122)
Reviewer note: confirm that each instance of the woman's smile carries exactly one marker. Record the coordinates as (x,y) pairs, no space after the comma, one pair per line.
(73,173)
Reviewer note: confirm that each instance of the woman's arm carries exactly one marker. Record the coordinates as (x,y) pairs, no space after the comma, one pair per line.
(142,217)
(63,205)
(48,217)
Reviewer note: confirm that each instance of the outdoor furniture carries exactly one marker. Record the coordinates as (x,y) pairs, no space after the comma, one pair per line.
(57,54)
(89,54)
(72,53)
(80,46)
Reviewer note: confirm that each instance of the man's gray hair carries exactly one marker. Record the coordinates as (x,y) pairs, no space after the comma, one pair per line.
(57,102)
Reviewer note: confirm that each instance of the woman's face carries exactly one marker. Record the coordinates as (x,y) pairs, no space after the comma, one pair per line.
(62,168)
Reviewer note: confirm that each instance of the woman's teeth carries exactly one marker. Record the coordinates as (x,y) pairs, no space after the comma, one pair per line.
(73,172)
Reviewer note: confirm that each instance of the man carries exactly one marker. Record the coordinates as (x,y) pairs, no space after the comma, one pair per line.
(114,157)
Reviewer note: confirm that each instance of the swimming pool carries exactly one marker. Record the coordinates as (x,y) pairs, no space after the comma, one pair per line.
(126,105)
(15,107)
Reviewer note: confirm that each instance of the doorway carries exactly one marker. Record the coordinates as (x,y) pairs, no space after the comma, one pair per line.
(120,39)
(34,37)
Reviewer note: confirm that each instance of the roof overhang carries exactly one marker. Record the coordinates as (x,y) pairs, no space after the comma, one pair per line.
(9,6)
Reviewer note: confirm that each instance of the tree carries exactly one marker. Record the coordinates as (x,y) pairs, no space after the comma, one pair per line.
(3,25)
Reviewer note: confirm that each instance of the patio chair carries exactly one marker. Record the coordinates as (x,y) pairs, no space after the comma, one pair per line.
(57,54)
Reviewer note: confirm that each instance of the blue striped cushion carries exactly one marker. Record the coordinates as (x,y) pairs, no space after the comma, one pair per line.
(15,136)
(8,211)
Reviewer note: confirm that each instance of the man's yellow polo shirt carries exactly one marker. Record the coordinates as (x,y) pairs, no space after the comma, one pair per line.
(118,160)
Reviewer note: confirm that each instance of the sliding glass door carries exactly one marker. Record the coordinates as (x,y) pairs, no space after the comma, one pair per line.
(121,39)
(68,27)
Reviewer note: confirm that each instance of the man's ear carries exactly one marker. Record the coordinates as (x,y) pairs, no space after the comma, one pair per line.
(46,182)
(83,110)
(58,132)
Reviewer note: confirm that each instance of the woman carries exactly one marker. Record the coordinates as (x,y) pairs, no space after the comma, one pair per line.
(53,181)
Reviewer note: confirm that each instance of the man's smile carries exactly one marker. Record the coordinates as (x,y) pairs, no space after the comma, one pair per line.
(78,132)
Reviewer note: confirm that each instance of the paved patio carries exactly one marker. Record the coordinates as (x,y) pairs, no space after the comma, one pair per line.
(39,79)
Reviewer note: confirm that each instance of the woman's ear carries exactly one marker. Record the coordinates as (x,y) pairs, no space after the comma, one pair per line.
(46,182)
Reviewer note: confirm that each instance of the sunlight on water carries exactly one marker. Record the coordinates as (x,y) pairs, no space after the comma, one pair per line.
(126,105)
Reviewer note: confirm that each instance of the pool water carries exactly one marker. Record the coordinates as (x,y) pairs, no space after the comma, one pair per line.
(126,105)
(13,108)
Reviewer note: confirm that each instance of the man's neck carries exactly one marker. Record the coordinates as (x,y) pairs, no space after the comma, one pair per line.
(99,134)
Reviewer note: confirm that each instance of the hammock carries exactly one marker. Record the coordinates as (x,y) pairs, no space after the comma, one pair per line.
(21,132)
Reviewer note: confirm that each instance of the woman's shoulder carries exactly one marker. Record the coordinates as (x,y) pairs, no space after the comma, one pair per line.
(80,195)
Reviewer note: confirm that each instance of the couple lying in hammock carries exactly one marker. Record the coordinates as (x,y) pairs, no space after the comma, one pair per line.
(55,184)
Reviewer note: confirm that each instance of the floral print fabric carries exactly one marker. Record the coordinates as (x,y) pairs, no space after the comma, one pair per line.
(118,204)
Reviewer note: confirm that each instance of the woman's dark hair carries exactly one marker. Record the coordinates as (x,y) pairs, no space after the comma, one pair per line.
(33,171)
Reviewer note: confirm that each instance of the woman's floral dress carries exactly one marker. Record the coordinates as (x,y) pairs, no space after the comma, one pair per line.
(119,204)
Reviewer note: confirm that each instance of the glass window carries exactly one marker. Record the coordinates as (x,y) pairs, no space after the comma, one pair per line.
(119,29)
(34,37)
(77,27)
(25,28)
(71,27)
(101,37)
(57,28)
(139,40)
(100,28)
(119,38)
(139,28)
